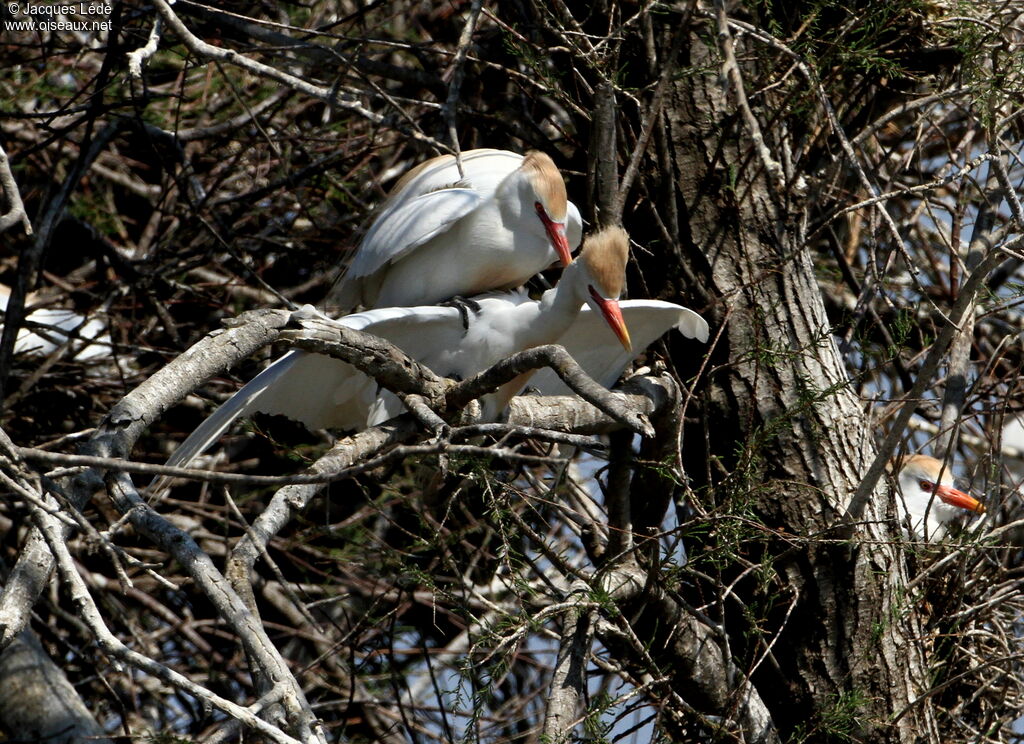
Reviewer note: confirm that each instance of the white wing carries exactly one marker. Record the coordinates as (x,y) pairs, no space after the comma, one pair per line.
(242,403)
(397,232)
(592,344)
(323,392)
(427,201)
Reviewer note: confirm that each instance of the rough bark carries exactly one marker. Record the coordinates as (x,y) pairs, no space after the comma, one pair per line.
(805,441)
(39,703)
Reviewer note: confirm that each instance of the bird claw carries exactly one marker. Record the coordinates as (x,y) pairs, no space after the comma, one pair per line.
(463,305)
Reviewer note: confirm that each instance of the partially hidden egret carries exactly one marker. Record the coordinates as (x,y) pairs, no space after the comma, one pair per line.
(45,329)
(926,501)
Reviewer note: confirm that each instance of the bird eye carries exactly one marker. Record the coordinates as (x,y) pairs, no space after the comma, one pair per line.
(926,486)
(540,209)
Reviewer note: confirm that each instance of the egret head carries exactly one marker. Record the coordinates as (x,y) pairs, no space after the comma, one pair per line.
(604,258)
(927,496)
(549,200)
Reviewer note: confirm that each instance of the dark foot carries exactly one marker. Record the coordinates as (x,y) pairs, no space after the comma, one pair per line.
(463,305)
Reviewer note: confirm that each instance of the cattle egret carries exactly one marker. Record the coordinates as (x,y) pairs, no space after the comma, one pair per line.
(322,392)
(587,342)
(926,500)
(441,235)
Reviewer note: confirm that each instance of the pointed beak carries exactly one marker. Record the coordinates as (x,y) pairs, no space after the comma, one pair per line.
(557,236)
(953,497)
(613,317)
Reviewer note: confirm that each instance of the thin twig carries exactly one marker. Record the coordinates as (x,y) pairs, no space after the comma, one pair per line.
(924,379)
(731,71)
(327,95)
(451,104)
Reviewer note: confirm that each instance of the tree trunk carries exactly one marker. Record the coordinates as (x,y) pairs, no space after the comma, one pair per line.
(778,414)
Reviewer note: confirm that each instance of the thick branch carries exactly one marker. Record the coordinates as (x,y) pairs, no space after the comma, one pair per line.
(39,700)
(372,355)
(607,206)
(559,360)
(569,680)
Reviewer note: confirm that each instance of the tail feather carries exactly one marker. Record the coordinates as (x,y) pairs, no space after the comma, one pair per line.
(242,403)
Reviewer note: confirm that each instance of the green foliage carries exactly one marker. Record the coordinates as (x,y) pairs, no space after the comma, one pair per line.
(836,724)
(902,326)
(597,725)
(994,70)
(166,737)
(868,39)
(87,207)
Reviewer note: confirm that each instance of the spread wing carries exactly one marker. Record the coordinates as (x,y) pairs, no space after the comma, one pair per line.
(323,392)
(592,344)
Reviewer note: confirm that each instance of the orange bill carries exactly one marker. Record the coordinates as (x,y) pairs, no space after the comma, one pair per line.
(613,317)
(954,497)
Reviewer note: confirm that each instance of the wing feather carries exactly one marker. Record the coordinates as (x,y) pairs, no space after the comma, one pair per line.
(323,392)
(418,220)
(595,348)
(242,403)
(427,201)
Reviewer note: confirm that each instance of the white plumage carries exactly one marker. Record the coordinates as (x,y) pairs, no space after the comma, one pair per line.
(47,328)
(588,343)
(323,392)
(926,500)
(439,235)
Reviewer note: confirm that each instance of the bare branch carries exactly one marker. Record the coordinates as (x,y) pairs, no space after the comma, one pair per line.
(15,209)
(887,448)
(222,54)
(731,71)
(569,680)
(457,68)
(144,53)
(568,370)
(111,645)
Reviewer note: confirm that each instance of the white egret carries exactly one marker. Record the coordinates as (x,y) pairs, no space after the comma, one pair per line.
(323,392)
(926,500)
(441,235)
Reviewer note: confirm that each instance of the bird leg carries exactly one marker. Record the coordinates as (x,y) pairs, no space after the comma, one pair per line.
(463,305)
